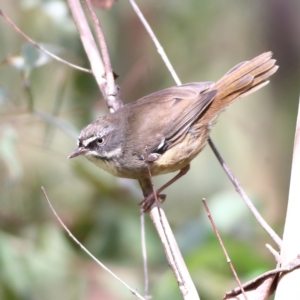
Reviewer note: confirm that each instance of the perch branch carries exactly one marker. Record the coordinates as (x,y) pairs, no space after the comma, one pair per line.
(173,254)
(144,252)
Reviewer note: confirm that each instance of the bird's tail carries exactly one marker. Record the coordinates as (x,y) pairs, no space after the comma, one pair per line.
(242,80)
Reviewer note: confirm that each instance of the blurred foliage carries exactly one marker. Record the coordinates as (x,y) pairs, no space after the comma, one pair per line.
(44,104)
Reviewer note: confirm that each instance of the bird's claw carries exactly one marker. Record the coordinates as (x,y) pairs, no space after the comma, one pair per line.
(150,200)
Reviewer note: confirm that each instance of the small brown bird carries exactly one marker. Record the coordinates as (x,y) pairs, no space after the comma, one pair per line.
(172,124)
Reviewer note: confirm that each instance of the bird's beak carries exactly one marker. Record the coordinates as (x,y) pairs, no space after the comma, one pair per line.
(77,152)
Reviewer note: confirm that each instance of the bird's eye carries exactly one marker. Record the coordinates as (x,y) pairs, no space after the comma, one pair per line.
(100,141)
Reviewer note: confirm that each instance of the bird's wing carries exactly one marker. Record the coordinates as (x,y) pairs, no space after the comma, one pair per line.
(161,119)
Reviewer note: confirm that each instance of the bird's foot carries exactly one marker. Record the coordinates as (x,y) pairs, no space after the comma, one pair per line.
(150,200)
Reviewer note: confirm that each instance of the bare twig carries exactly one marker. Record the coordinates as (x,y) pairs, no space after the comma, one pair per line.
(187,287)
(244,196)
(112,91)
(171,248)
(275,254)
(10,22)
(92,52)
(144,252)
(160,49)
(134,292)
(88,41)
(223,248)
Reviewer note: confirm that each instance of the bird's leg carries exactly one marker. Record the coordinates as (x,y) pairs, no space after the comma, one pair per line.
(148,193)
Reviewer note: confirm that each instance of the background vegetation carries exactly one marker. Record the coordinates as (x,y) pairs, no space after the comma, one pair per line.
(44,104)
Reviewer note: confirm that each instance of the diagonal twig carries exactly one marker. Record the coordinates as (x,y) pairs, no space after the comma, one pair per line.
(244,196)
(160,49)
(223,247)
(16,28)
(134,292)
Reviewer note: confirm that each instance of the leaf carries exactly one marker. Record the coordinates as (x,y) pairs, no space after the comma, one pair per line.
(33,57)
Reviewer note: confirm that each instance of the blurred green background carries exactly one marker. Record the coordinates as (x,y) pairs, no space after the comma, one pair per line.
(44,104)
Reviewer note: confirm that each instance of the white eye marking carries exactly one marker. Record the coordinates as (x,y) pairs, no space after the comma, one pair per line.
(78,143)
(93,153)
(113,153)
(106,155)
(90,140)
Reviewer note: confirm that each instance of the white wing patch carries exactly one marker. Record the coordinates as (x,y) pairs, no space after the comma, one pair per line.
(162,143)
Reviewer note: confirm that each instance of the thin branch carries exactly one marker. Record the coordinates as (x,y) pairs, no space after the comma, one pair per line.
(16,28)
(112,91)
(88,41)
(244,196)
(160,49)
(134,292)
(144,252)
(223,248)
(92,52)
(275,254)
(173,254)
(187,287)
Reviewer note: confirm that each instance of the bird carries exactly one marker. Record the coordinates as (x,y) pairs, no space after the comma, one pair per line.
(164,131)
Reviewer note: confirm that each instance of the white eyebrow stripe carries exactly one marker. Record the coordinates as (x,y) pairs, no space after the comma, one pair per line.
(90,140)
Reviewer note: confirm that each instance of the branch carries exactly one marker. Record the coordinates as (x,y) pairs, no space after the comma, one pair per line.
(160,49)
(92,51)
(112,92)
(16,28)
(244,196)
(223,248)
(144,252)
(134,292)
(176,262)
